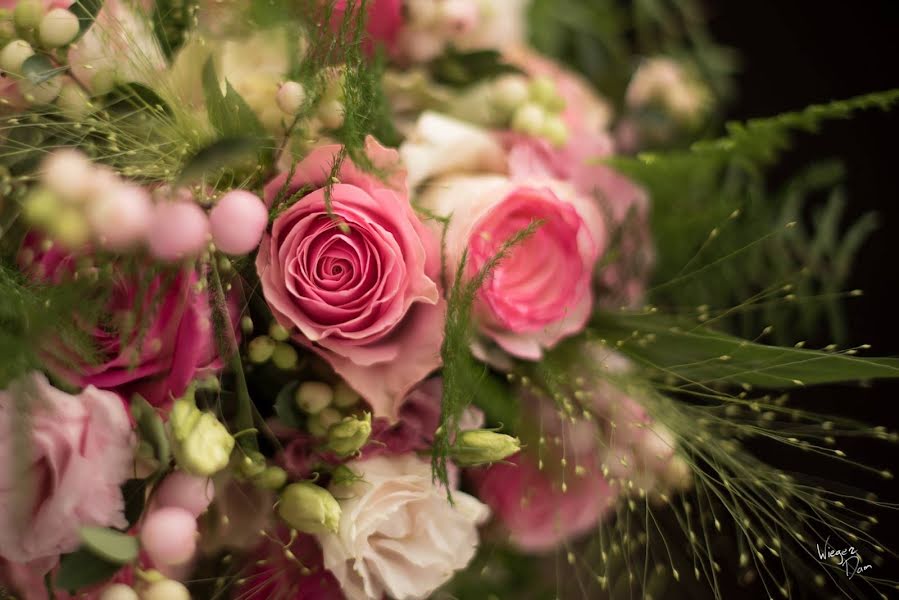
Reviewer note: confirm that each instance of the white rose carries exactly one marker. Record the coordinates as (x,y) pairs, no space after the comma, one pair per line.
(398,533)
(440,145)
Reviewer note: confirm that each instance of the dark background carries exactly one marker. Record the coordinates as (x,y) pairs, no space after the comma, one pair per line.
(799,52)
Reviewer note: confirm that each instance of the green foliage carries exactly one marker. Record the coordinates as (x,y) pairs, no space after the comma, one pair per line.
(109,544)
(82,568)
(463,376)
(229,113)
(462,69)
(715,221)
(151,430)
(224,153)
(86,11)
(171,23)
(32,314)
(697,355)
(601,39)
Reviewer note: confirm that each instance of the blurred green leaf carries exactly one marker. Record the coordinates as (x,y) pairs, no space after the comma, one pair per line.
(82,568)
(110,545)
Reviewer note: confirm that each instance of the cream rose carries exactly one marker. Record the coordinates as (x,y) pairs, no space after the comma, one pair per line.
(398,533)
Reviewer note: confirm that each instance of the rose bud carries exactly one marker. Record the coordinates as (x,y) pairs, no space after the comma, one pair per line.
(349,435)
(201,444)
(309,508)
(482,446)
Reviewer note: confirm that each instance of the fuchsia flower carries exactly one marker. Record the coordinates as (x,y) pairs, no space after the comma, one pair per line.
(358,285)
(80,454)
(168,345)
(298,576)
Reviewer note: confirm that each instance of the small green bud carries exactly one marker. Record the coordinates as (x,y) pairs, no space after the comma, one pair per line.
(555,131)
(28,14)
(345,396)
(529,118)
(542,90)
(284,356)
(41,206)
(319,424)
(482,446)
(200,442)
(278,332)
(251,464)
(246,325)
(349,435)
(272,478)
(261,349)
(312,397)
(309,508)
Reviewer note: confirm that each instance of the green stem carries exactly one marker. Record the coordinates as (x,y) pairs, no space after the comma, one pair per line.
(244,417)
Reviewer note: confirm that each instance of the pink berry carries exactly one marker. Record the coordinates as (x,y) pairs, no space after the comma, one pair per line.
(120,216)
(178,230)
(238,220)
(182,490)
(169,535)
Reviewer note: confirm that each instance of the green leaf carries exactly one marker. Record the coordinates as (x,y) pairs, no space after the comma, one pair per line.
(223,153)
(38,68)
(286,408)
(151,429)
(86,11)
(137,96)
(697,354)
(461,69)
(134,491)
(110,545)
(82,568)
(229,114)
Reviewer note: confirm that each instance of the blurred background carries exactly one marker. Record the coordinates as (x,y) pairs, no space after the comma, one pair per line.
(801,52)
(763,58)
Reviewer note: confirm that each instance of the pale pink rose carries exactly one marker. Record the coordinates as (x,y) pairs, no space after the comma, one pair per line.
(399,535)
(357,286)
(174,345)
(81,451)
(541,292)
(272,574)
(531,505)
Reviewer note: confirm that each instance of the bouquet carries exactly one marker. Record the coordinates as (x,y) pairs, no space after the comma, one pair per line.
(356,299)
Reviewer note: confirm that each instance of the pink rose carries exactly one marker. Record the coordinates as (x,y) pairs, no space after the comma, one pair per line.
(532,507)
(541,292)
(624,204)
(81,452)
(170,346)
(357,287)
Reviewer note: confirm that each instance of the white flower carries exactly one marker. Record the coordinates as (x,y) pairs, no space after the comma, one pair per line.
(398,533)
(440,145)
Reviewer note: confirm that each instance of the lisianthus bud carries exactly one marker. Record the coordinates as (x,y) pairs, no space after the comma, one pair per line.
(58,28)
(349,435)
(314,396)
(482,446)
(201,444)
(309,508)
